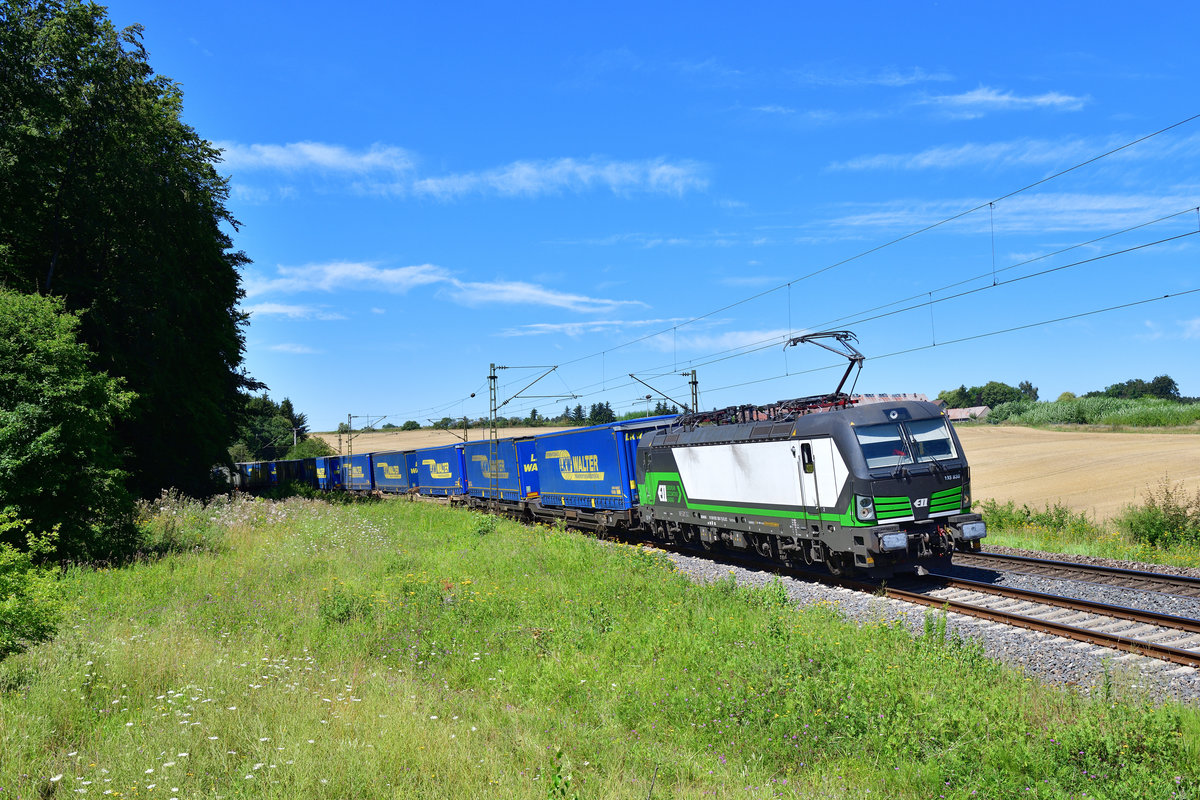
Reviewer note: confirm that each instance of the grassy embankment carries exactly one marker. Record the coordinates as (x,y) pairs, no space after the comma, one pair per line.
(300,649)
(1163,529)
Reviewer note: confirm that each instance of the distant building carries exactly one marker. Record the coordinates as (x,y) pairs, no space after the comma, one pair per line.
(968,414)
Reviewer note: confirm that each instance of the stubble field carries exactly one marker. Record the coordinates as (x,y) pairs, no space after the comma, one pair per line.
(1095,472)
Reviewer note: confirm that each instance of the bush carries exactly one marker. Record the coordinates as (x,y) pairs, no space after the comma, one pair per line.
(31,602)
(1007,516)
(58,465)
(312,447)
(175,523)
(1100,410)
(1168,517)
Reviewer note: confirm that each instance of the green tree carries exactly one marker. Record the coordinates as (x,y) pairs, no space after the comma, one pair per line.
(992,393)
(1164,386)
(310,448)
(1028,390)
(1065,396)
(601,414)
(111,202)
(410,425)
(58,466)
(264,428)
(298,421)
(956,398)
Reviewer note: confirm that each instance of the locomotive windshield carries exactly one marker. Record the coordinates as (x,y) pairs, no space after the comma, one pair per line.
(894,443)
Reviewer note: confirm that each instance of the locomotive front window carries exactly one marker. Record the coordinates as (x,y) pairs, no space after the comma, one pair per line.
(931,440)
(883,445)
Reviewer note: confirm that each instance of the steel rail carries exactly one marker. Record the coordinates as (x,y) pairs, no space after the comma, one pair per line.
(1174,655)
(1077,604)
(1142,576)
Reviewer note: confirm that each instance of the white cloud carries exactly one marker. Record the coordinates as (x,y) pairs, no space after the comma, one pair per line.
(1191,328)
(977,102)
(297,349)
(719,342)
(970,154)
(1035,152)
(585,327)
(364,276)
(1033,212)
(300,156)
(392,171)
(291,311)
(890,77)
(345,274)
(533,178)
(652,240)
(378,311)
(480,293)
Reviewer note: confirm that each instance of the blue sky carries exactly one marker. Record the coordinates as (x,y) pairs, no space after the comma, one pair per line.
(426,189)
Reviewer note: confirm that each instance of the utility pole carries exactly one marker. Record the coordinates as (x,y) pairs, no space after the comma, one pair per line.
(695,384)
(494,411)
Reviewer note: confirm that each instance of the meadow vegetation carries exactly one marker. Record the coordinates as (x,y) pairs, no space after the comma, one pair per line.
(1142,412)
(1163,528)
(394,649)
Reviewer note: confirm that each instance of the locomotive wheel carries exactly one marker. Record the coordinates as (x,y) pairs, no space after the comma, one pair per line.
(836,564)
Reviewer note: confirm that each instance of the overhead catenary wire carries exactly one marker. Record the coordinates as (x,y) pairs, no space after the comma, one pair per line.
(756,347)
(897,240)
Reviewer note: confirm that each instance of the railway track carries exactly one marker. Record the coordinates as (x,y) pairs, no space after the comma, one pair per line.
(1162,636)
(1178,585)
(1146,633)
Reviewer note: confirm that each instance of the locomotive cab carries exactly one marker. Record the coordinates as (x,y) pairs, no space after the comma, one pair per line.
(913,482)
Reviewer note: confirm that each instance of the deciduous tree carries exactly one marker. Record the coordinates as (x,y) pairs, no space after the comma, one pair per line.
(58,467)
(111,202)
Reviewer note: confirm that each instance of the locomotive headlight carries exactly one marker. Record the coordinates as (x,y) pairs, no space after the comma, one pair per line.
(893,541)
(974,530)
(864,508)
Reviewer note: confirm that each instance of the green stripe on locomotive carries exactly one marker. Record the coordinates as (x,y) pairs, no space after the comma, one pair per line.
(649,489)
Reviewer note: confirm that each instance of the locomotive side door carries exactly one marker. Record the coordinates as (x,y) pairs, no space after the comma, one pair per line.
(810,499)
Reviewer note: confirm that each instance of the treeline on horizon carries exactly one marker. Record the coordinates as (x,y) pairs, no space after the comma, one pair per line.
(596,414)
(1133,403)
(995,393)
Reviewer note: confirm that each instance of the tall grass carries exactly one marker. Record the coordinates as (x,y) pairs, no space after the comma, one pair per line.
(1142,412)
(408,650)
(1163,528)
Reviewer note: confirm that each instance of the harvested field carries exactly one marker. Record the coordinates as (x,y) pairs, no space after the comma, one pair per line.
(1092,471)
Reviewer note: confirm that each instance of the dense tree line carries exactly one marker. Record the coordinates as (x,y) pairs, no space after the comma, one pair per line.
(993,393)
(111,203)
(1163,387)
(269,431)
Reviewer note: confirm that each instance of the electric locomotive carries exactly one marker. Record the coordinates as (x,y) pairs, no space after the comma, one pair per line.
(879,488)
